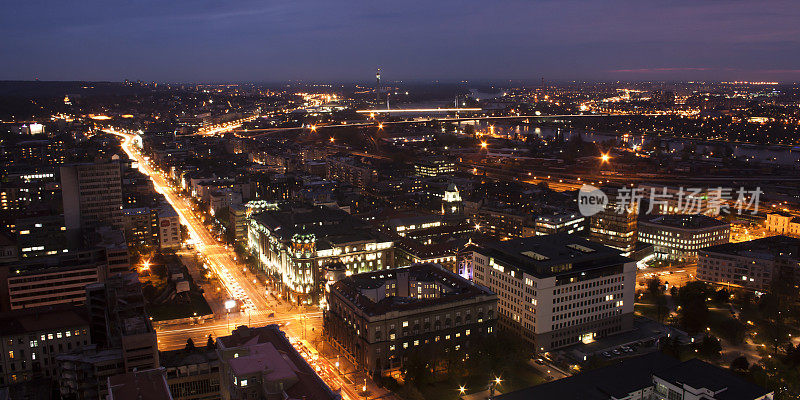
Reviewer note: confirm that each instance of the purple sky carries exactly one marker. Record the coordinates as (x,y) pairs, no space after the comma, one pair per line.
(181,40)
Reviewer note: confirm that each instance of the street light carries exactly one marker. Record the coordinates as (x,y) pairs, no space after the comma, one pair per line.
(462,390)
(604,158)
(229,304)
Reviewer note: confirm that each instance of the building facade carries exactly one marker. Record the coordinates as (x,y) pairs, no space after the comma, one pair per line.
(559,223)
(31,340)
(380,318)
(92,195)
(753,265)
(293,245)
(557,290)
(679,237)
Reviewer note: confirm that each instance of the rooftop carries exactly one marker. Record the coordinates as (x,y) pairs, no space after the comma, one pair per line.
(616,380)
(537,255)
(456,288)
(699,374)
(767,247)
(310,385)
(42,319)
(684,221)
(150,384)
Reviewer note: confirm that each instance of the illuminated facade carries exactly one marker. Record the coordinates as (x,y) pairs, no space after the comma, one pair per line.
(559,223)
(679,237)
(556,290)
(294,245)
(753,265)
(615,228)
(380,318)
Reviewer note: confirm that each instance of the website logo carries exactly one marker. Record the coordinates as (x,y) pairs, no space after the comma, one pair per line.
(591,200)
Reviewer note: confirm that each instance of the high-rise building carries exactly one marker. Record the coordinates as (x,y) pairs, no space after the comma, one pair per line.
(557,290)
(92,195)
(192,374)
(615,226)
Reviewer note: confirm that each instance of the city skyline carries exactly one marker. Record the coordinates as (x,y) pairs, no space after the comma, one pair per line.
(411,41)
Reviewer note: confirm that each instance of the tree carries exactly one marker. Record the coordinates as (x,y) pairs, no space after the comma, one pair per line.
(210,344)
(189,344)
(654,288)
(710,347)
(740,364)
(694,311)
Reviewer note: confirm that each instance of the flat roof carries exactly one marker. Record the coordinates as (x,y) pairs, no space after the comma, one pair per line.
(352,286)
(310,385)
(150,384)
(42,319)
(683,221)
(699,374)
(536,255)
(618,380)
(766,247)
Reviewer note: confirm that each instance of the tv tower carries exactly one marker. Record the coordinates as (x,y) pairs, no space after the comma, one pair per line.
(378,87)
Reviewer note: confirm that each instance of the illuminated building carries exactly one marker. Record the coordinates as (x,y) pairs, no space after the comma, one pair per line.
(351,171)
(754,265)
(679,237)
(92,195)
(615,228)
(41,236)
(451,202)
(506,223)
(293,245)
(32,338)
(783,223)
(650,376)
(557,290)
(559,223)
(434,167)
(380,318)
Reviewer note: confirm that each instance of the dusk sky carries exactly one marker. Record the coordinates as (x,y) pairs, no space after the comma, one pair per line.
(184,41)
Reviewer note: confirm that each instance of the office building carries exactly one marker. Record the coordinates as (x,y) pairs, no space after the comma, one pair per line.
(92,195)
(169,228)
(615,226)
(261,363)
(557,290)
(559,223)
(679,237)
(753,265)
(61,279)
(651,376)
(434,167)
(380,318)
(293,244)
(32,338)
(41,235)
